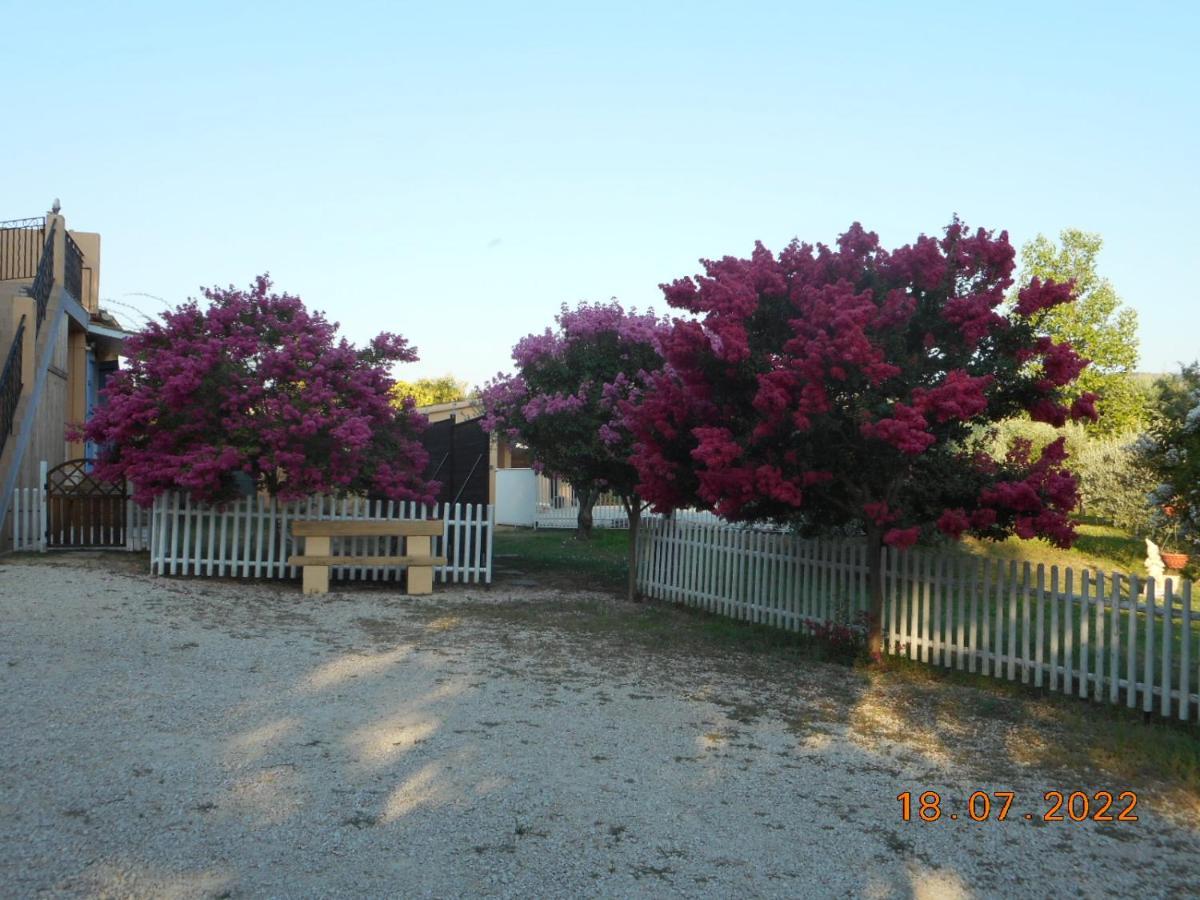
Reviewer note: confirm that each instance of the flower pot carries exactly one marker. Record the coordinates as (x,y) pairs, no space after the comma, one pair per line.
(1174,560)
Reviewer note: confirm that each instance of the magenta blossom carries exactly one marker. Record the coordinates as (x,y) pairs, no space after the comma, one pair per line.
(255,384)
(847,386)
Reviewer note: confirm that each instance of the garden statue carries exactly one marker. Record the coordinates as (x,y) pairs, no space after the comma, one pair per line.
(1154,563)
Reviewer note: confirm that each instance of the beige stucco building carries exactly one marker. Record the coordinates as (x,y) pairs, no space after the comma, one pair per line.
(58,347)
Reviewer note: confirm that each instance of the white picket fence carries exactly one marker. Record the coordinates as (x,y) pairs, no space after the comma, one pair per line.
(252,538)
(558,507)
(30,522)
(612,517)
(27,518)
(1111,637)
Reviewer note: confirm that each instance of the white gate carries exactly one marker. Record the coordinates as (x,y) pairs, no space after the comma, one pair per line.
(516,497)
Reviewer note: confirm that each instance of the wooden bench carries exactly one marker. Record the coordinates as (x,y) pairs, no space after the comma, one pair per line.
(417,557)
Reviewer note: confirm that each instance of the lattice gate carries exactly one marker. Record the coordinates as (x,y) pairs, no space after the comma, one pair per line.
(82,510)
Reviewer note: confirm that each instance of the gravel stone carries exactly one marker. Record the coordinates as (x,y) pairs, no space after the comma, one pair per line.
(208,738)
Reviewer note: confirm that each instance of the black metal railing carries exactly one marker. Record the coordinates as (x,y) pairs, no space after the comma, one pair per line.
(27,251)
(21,242)
(11,384)
(43,280)
(73,269)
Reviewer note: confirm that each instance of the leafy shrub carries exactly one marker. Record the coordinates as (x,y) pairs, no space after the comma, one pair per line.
(1004,435)
(844,642)
(1115,482)
(1114,478)
(1172,452)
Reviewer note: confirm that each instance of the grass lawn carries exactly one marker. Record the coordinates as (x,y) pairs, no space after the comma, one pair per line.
(602,560)
(1100,546)
(598,564)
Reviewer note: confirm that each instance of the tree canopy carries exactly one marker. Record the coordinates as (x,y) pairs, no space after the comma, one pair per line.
(254,383)
(1098,325)
(841,386)
(428,391)
(1172,452)
(566,400)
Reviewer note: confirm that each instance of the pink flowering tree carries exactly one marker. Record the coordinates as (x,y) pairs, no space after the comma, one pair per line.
(254,383)
(842,386)
(566,398)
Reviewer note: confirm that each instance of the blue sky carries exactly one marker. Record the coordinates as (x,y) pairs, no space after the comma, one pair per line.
(454,172)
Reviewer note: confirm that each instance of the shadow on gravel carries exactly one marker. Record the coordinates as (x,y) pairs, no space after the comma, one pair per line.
(565,740)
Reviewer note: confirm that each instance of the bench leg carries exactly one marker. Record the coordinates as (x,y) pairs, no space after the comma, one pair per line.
(316,578)
(420,578)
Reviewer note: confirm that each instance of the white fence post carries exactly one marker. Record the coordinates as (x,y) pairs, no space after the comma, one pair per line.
(43,520)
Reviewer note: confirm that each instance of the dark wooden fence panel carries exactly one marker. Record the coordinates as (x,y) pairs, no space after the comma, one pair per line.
(459,455)
(82,510)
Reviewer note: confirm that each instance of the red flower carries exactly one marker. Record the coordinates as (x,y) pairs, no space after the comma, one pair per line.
(1039,295)
(1084,407)
(953,522)
(902,538)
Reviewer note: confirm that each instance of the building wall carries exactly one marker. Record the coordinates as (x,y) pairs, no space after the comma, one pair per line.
(89,243)
(63,398)
(48,440)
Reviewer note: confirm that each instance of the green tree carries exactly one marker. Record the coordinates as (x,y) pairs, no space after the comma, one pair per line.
(1172,450)
(427,391)
(1176,393)
(567,402)
(1098,325)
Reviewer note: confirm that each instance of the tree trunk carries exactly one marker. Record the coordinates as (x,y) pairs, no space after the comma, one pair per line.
(635,520)
(583,521)
(875,593)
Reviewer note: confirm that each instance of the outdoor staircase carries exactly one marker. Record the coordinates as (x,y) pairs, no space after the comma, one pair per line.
(32,293)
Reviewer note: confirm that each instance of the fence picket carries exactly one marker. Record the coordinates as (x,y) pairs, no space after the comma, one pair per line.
(1148,652)
(722,556)
(732,562)
(247,535)
(1131,646)
(1101,623)
(18,515)
(961,570)
(1068,625)
(1013,602)
(937,578)
(211,548)
(761,610)
(1026,650)
(1083,670)
(1168,609)
(1185,651)
(1055,604)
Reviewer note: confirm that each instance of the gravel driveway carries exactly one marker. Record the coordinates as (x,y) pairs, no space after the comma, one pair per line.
(165,738)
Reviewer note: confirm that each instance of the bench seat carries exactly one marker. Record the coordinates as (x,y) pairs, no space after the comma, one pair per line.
(316,561)
(367,561)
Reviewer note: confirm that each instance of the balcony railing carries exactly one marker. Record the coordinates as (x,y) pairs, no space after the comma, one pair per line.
(21,242)
(10,384)
(73,270)
(27,251)
(43,280)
